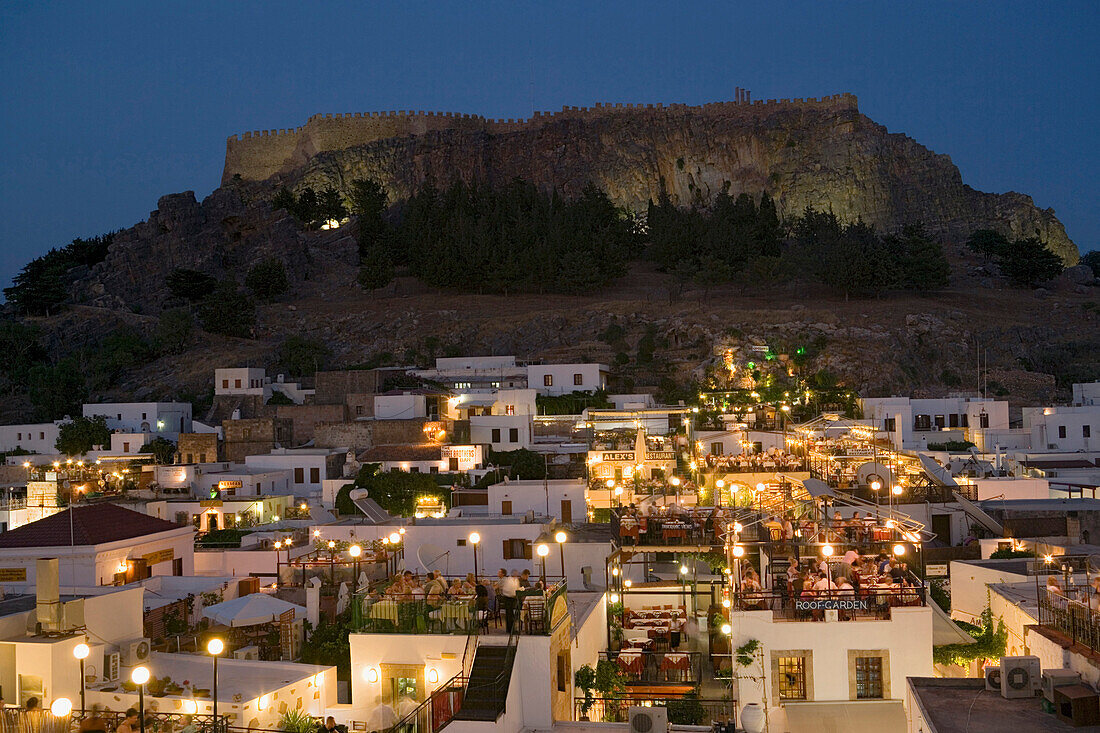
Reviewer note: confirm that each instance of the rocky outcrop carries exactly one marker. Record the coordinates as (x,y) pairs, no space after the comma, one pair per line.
(825,156)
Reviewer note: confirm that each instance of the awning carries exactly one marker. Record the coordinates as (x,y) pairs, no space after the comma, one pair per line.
(817,488)
(946,631)
(250,610)
(880,716)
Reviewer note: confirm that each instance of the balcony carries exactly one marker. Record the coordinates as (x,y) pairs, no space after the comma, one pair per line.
(1072,614)
(871,603)
(644,667)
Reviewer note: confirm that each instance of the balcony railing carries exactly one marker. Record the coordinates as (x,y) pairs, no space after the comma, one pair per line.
(644,667)
(21,720)
(415,614)
(682,710)
(871,603)
(1072,614)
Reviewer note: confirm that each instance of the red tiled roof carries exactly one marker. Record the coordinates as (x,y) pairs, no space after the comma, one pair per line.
(91,525)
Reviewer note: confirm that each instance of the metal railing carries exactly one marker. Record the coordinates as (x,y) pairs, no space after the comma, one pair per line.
(682,710)
(862,604)
(1072,613)
(21,720)
(435,712)
(657,667)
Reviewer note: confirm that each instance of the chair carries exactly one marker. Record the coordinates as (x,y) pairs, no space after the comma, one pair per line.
(483,613)
(536,615)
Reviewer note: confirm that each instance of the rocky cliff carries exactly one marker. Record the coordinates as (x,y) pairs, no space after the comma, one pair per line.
(820,153)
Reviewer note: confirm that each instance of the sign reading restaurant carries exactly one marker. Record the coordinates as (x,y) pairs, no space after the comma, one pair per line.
(628,456)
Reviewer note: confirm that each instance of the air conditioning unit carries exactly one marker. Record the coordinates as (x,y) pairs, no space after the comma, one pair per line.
(1021,677)
(135,652)
(111,663)
(992,678)
(647,720)
(1058,678)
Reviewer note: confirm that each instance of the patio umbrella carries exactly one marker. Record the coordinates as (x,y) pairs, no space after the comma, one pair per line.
(250,610)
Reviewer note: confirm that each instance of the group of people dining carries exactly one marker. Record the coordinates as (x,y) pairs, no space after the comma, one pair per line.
(490,599)
(881,579)
(673,524)
(770,460)
(855,529)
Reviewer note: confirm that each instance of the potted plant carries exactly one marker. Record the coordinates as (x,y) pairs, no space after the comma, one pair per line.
(585,679)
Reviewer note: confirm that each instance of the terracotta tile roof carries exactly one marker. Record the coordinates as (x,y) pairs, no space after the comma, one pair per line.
(381,453)
(91,525)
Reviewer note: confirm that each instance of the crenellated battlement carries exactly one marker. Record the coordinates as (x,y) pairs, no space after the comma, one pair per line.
(259,154)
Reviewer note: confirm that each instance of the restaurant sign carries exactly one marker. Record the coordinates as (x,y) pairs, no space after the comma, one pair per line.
(208,503)
(223,485)
(936,570)
(664,455)
(13,575)
(625,457)
(831,604)
(159,556)
(460,452)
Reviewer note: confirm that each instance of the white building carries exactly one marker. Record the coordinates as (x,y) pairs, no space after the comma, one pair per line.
(424,458)
(130,442)
(469,404)
(98,544)
(475,372)
(640,401)
(1087,393)
(564,499)
(243,480)
(254,382)
(400,406)
(165,419)
(308,467)
(917,422)
(36,437)
(502,432)
(562,379)
(1066,429)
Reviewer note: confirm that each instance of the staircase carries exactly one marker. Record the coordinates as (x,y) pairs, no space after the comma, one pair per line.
(487,689)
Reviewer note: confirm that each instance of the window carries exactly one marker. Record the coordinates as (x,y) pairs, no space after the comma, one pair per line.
(922,422)
(125,447)
(433,469)
(547,380)
(953,420)
(716,449)
(41,436)
(143,416)
(506,507)
(509,409)
(1061,431)
(868,678)
(890,424)
(236,384)
(983,420)
(414,469)
(190,457)
(513,435)
(358,409)
(517,550)
(563,672)
(939,422)
(19,436)
(578,379)
(495,436)
(299,475)
(314,475)
(225,384)
(1086,431)
(792,678)
(461,542)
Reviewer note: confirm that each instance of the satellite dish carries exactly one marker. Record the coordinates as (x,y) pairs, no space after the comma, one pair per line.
(357,494)
(433,558)
(875,471)
(936,473)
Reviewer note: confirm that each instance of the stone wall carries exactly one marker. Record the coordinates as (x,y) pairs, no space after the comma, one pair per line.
(399,432)
(197,448)
(355,435)
(333,387)
(259,154)
(254,436)
(306,417)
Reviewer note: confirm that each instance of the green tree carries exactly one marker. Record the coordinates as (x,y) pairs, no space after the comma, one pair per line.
(163,450)
(521,463)
(987,242)
(920,261)
(267,279)
(56,390)
(1028,263)
(174,329)
(22,348)
(396,492)
(302,357)
(377,271)
(191,285)
(328,645)
(228,311)
(1092,259)
(82,434)
(42,286)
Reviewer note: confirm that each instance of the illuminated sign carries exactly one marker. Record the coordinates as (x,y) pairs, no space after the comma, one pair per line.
(627,457)
(159,556)
(13,575)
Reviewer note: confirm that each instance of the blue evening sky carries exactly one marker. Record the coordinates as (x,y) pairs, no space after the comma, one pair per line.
(108,105)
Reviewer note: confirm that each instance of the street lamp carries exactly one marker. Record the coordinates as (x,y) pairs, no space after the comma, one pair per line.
(139,676)
(81,652)
(355,551)
(61,707)
(215,647)
(543,550)
(719,485)
(560,537)
(474,539)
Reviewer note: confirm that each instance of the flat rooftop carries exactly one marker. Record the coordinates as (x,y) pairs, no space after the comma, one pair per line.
(964,706)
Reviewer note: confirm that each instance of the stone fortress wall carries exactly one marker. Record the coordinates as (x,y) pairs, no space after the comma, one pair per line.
(260,154)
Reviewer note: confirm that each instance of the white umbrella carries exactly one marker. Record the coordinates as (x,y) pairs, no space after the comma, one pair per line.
(251,610)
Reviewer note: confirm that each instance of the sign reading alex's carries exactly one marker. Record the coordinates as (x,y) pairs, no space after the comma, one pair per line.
(159,556)
(13,575)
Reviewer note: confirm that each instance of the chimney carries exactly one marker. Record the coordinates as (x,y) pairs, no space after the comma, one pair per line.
(48,592)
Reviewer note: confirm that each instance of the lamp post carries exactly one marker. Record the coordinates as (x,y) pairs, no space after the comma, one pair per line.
(355,551)
(876,485)
(560,537)
(474,539)
(214,647)
(61,707)
(332,561)
(139,676)
(543,550)
(81,652)
(718,486)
